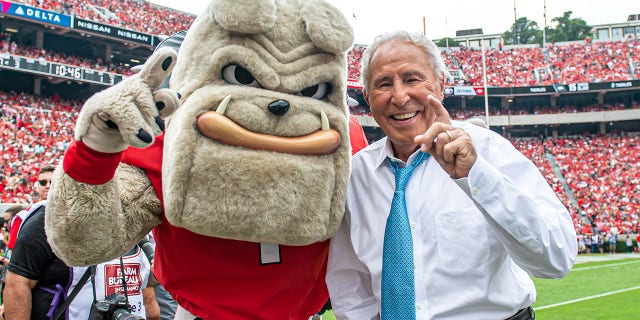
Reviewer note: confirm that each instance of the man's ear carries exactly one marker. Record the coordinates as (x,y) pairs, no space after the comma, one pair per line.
(366,97)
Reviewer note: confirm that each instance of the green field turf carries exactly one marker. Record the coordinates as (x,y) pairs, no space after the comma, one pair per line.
(600,287)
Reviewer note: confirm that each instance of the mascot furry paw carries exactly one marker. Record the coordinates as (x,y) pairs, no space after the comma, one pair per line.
(247,182)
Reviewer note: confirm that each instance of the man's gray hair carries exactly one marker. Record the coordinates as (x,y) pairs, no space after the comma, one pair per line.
(420,40)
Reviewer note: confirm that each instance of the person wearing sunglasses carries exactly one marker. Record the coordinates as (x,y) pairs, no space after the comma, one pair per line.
(41,187)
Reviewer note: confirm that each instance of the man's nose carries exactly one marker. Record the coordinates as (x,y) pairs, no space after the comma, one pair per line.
(399,95)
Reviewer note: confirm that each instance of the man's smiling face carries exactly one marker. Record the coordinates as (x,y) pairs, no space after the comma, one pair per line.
(401,79)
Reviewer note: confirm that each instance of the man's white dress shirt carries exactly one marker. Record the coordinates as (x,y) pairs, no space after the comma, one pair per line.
(476,240)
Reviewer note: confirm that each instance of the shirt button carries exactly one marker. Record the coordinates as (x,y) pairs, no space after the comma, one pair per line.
(474,190)
(418,307)
(413,225)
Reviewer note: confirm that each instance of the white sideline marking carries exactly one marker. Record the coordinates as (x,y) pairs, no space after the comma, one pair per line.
(587,298)
(606,265)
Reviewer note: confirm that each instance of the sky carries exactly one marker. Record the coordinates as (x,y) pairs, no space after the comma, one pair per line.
(442,18)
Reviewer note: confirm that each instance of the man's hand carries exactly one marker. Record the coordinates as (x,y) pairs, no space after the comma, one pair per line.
(451,147)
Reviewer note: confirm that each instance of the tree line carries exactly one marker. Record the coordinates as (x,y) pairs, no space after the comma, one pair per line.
(525,31)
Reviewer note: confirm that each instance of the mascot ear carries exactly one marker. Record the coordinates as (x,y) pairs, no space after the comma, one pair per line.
(244,16)
(326,26)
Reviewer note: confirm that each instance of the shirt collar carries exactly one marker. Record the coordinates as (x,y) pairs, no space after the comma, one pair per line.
(387,153)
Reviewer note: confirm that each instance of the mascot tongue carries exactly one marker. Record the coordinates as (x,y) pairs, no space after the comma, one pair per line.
(215,125)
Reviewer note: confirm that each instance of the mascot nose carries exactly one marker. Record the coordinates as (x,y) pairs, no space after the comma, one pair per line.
(279,107)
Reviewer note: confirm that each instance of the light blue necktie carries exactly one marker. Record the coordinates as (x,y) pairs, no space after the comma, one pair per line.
(398,293)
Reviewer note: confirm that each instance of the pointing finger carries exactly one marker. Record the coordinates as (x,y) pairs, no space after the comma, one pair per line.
(442,115)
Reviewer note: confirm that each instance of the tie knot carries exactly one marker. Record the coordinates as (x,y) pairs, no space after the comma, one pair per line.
(403,174)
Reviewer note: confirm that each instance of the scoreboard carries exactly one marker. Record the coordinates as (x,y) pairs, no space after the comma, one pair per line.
(58,70)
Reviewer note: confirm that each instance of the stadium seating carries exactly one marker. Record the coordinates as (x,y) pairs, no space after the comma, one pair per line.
(599,179)
(141,16)
(604,175)
(34,131)
(506,67)
(602,171)
(526,66)
(7,47)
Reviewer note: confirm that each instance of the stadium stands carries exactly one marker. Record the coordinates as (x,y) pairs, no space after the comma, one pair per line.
(11,47)
(141,16)
(601,171)
(526,66)
(34,131)
(597,176)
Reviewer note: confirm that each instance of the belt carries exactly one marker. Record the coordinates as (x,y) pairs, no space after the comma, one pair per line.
(523,314)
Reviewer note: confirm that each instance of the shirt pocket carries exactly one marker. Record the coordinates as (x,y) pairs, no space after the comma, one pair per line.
(462,239)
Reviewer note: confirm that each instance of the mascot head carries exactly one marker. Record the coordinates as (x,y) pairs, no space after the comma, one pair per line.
(259,149)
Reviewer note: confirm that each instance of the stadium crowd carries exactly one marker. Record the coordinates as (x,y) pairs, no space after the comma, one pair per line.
(602,171)
(603,174)
(608,61)
(34,131)
(573,62)
(529,66)
(600,174)
(470,112)
(141,16)
(11,47)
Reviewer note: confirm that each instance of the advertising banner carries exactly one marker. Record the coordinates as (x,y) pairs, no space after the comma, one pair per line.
(36,14)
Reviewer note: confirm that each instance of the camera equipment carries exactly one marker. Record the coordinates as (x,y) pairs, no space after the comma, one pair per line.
(115,307)
(146,246)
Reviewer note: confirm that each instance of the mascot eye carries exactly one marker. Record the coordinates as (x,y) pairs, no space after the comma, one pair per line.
(236,74)
(318,91)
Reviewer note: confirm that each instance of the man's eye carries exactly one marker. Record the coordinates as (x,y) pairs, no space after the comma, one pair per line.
(238,75)
(318,91)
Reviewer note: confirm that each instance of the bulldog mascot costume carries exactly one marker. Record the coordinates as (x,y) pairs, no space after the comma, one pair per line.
(240,166)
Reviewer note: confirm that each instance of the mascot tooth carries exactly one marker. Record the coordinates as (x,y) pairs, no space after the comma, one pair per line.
(239,163)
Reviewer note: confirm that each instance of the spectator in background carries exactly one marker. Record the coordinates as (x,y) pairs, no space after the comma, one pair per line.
(9,213)
(613,242)
(356,133)
(37,278)
(8,216)
(594,242)
(581,246)
(43,184)
(476,212)
(629,243)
